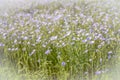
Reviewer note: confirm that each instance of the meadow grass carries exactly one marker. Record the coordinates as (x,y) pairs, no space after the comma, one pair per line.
(62,41)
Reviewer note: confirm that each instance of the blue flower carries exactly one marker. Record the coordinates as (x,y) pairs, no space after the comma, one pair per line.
(63,63)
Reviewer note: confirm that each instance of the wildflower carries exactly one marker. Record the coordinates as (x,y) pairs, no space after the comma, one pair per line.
(53,38)
(13,49)
(63,63)
(1,44)
(28,43)
(109,56)
(57,17)
(82,15)
(63,44)
(84,41)
(67,34)
(25,38)
(99,46)
(47,52)
(15,41)
(37,30)
(98,72)
(9,49)
(91,42)
(90,60)
(89,38)
(38,40)
(87,34)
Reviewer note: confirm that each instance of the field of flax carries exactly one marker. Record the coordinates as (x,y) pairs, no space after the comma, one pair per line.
(62,41)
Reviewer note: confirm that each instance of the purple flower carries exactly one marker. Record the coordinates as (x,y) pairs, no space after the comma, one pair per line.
(109,56)
(25,38)
(63,63)
(47,52)
(53,38)
(89,38)
(91,42)
(98,72)
(1,44)
(99,46)
(84,41)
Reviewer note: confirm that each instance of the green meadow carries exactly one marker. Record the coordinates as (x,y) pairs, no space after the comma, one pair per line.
(61,40)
